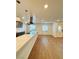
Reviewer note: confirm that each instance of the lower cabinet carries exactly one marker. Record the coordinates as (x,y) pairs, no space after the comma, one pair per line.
(24,52)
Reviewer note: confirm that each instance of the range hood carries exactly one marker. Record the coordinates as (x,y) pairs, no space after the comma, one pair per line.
(31,20)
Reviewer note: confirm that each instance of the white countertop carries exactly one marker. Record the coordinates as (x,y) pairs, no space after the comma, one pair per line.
(21,40)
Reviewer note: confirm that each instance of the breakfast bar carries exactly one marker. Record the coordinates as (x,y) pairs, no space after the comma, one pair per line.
(24,45)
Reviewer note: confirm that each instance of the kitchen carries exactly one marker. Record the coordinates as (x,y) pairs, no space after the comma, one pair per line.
(33,27)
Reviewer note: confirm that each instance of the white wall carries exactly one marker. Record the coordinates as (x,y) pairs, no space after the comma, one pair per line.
(39,29)
(52,28)
(56,32)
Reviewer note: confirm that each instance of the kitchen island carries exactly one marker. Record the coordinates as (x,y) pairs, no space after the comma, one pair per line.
(24,45)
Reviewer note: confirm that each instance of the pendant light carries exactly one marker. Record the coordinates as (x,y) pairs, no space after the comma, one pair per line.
(45,5)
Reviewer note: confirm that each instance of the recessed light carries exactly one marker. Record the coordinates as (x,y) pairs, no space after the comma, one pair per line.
(45,6)
(18,1)
(26,10)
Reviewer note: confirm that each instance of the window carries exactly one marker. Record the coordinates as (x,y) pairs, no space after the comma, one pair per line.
(32,27)
(59,29)
(45,27)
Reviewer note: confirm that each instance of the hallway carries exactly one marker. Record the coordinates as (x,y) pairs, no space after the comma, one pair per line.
(47,47)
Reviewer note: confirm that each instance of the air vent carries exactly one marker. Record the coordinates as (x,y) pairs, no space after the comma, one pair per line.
(18,1)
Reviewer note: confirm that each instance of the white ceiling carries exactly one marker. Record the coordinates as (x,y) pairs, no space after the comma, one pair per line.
(36,7)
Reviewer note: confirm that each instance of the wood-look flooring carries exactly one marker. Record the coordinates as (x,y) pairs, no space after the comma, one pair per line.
(47,47)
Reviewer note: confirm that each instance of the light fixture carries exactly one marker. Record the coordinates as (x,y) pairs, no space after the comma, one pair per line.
(18,1)
(45,6)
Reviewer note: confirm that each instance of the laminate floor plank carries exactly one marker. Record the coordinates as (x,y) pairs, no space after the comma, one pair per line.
(47,47)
